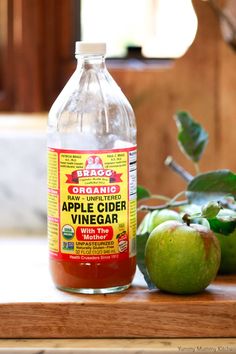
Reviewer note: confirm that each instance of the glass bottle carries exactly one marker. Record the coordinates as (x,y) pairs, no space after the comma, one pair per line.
(92,180)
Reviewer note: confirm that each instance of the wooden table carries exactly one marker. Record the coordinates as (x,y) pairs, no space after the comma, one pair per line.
(118,346)
(31,307)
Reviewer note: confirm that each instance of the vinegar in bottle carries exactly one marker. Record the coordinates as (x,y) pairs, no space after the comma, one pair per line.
(92,180)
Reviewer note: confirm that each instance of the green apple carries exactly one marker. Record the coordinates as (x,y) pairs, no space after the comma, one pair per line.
(228,247)
(160,216)
(155,218)
(228,253)
(182,259)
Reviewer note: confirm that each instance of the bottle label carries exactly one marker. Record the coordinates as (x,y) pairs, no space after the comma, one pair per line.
(92,204)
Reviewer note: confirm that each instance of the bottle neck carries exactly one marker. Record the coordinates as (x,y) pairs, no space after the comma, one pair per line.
(96,62)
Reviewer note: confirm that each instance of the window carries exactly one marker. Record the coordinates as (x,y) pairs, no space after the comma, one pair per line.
(161,28)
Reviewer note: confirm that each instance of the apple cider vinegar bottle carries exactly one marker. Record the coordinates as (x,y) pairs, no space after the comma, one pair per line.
(92,180)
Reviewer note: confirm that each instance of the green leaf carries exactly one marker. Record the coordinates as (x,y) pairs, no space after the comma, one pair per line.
(142,193)
(141,240)
(192,138)
(141,244)
(222,225)
(213,185)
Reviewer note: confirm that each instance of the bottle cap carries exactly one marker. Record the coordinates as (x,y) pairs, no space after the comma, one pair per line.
(82,48)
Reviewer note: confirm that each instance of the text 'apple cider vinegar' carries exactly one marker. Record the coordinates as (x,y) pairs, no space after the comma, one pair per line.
(92,180)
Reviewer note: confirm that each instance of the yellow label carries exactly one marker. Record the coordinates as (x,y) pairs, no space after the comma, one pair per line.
(92,204)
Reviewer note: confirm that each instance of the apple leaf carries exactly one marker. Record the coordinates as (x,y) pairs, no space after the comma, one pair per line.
(211,186)
(222,225)
(192,138)
(141,244)
(141,240)
(142,193)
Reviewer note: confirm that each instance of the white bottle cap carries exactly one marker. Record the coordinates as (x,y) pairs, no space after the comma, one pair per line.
(82,48)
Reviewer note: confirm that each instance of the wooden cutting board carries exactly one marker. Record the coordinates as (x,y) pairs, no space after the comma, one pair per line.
(31,307)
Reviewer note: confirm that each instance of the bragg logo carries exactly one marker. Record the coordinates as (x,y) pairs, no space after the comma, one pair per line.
(94,173)
(94,168)
(94,163)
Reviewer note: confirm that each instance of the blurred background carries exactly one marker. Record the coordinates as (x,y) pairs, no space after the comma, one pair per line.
(166,55)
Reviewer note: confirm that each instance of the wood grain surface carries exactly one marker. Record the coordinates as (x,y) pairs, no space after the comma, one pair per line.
(118,346)
(31,307)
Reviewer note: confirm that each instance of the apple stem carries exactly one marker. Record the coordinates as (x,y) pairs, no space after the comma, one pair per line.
(170,162)
(162,206)
(171,203)
(187,219)
(197,168)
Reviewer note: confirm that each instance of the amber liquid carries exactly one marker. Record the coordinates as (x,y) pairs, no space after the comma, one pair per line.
(93,277)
